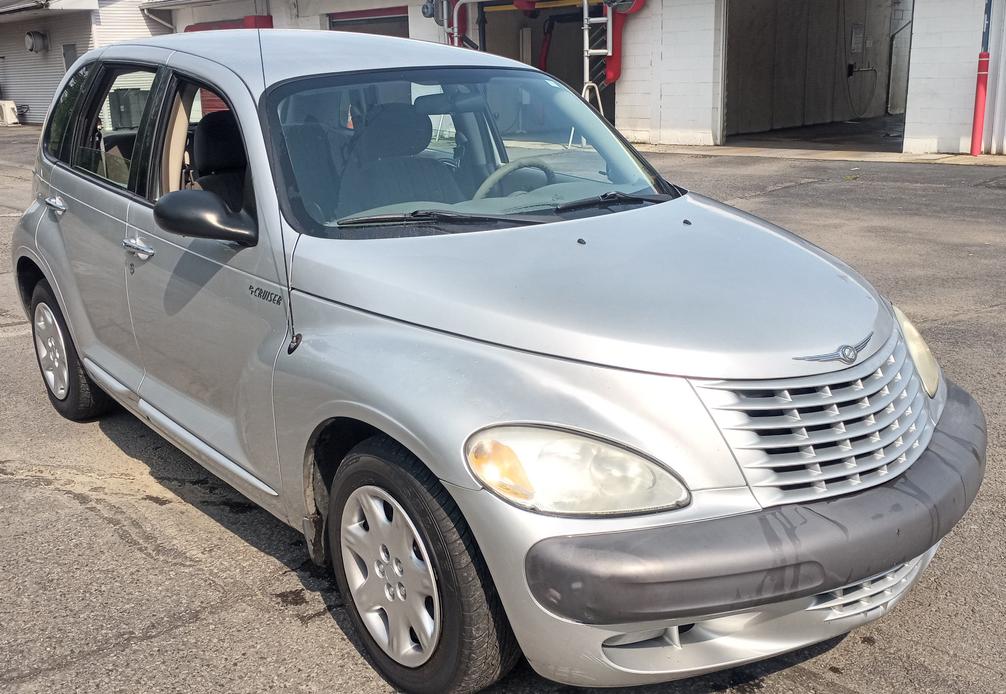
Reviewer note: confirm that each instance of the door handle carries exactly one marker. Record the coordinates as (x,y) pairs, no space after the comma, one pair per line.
(137,248)
(56,204)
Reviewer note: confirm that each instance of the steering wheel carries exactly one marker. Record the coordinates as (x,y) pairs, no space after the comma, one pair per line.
(502,172)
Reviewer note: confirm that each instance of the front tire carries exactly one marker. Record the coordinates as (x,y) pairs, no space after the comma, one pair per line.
(414,583)
(71,391)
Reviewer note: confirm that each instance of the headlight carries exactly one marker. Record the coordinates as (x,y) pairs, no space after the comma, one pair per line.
(925,362)
(555,471)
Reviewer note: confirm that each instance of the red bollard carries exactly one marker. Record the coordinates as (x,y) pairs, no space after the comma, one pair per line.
(978,127)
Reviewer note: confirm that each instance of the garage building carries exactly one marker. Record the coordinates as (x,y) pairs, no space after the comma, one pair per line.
(886,75)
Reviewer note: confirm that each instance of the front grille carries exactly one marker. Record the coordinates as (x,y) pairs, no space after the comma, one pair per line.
(806,438)
(870,593)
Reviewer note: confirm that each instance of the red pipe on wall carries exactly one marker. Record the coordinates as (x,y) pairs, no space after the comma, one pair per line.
(981,92)
(613,63)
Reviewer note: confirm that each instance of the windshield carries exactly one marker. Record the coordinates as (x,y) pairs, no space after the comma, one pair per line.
(484,145)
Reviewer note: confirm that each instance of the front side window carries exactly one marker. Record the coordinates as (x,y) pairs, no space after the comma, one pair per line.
(62,111)
(202,148)
(106,143)
(460,143)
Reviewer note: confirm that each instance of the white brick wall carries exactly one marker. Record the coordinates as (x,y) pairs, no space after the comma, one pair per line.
(635,102)
(995,120)
(671,87)
(946,39)
(303,14)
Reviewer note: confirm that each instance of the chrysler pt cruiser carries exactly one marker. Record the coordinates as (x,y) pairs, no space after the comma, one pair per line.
(522,395)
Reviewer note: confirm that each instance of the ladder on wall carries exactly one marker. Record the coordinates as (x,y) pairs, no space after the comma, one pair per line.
(597,42)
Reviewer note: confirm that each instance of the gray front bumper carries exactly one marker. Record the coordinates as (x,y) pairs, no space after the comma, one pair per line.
(778,554)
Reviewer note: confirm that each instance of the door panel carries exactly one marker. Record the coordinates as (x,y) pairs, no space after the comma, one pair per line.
(209,333)
(90,234)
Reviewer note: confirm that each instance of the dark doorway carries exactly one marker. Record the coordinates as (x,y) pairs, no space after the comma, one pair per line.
(829,74)
(388,21)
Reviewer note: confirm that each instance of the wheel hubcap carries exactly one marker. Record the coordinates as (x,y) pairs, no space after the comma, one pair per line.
(390,576)
(51,350)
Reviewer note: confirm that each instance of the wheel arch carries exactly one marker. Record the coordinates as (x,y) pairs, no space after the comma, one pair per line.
(326,448)
(27,275)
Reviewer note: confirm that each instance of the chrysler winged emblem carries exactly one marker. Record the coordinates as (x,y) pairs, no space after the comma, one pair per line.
(847,354)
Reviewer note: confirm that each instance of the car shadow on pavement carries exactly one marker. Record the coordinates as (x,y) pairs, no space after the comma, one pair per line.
(195,486)
(200,489)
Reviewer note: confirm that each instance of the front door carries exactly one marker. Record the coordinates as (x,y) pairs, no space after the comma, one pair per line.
(209,316)
(88,201)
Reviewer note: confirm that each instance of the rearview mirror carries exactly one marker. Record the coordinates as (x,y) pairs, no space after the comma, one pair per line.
(204,214)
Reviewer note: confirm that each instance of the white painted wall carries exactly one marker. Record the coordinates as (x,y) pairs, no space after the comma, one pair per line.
(901,32)
(671,87)
(995,118)
(303,14)
(636,107)
(31,78)
(946,39)
(118,20)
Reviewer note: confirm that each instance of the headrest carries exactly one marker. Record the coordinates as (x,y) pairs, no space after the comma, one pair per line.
(217,144)
(394,130)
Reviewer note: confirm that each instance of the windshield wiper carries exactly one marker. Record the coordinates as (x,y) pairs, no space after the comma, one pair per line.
(433,216)
(610,198)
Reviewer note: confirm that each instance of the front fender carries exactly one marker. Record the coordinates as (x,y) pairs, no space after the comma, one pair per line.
(430,391)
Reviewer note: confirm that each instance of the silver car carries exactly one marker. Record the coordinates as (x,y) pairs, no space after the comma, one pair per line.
(523,395)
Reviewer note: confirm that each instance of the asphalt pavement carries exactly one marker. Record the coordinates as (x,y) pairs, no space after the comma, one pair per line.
(126,567)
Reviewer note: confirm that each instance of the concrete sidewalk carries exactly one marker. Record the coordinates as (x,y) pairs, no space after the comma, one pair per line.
(782,152)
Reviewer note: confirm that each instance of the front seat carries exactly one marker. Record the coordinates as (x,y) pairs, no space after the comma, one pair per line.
(382,166)
(220,157)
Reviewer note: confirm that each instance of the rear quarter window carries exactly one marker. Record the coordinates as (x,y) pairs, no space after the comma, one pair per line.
(62,112)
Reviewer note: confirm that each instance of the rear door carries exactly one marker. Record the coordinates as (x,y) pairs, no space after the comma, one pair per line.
(87,200)
(210,317)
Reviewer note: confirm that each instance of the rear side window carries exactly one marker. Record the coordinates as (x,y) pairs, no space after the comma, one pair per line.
(62,111)
(105,145)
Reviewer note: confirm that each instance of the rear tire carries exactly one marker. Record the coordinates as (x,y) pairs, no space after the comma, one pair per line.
(474,644)
(71,391)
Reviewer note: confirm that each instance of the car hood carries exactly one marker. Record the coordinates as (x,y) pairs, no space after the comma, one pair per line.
(690,287)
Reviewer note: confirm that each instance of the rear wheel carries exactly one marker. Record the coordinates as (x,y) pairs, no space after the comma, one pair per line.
(70,390)
(415,586)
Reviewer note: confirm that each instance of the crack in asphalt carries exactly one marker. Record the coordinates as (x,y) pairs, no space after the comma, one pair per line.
(182,620)
(129,530)
(963,314)
(777,188)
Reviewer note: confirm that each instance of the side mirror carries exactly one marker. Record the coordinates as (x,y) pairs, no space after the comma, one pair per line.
(204,214)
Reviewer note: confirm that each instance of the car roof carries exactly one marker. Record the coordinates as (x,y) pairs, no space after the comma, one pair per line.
(288,53)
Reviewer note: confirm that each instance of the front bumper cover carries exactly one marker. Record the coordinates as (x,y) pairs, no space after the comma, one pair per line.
(773,555)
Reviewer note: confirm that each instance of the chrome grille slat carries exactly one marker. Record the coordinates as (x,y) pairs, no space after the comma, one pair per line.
(871,593)
(829,416)
(799,476)
(823,395)
(814,437)
(863,445)
(866,588)
(881,420)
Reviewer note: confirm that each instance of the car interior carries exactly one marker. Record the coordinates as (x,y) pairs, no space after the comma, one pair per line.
(418,149)
(105,147)
(203,149)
